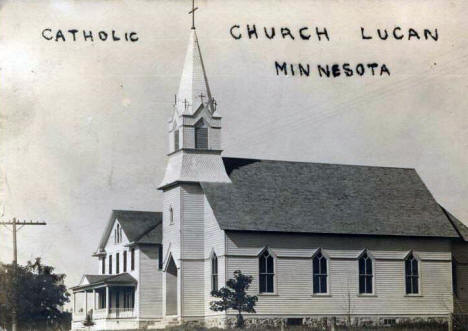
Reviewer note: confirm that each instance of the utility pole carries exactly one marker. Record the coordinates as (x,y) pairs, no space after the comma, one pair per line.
(14,222)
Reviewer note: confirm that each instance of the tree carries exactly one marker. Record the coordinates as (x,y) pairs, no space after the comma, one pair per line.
(38,294)
(234,296)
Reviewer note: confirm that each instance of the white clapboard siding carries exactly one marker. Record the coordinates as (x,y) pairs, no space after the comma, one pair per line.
(192,222)
(171,232)
(193,288)
(150,284)
(214,236)
(294,288)
(250,244)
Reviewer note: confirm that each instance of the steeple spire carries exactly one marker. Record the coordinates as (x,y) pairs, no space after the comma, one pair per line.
(194,90)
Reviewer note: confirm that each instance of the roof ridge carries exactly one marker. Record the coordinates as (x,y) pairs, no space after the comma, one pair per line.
(324,163)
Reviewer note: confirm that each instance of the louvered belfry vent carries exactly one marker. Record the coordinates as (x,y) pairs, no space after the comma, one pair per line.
(201,135)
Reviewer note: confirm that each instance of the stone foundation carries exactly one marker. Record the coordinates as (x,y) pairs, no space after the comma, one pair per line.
(324,322)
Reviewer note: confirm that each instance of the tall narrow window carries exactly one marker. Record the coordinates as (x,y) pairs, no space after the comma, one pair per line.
(319,266)
(160,257)
(117,263)
(214,272)
(365,274)
(176,140)
(201,135)
(267,272)
(132,259)
(125,261)
(171,215)
(110,264)
(412,275)
(103,265)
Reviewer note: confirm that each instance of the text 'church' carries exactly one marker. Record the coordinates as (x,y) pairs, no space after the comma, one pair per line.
(323,242)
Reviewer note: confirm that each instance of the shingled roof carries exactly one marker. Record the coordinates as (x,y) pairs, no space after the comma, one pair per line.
(281,196)
(140,227)
(95,280)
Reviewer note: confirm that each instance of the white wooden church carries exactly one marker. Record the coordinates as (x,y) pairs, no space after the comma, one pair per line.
(323,242)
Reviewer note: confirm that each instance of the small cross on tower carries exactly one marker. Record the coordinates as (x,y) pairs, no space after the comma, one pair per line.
(193,14)
(201,97)
(185,104)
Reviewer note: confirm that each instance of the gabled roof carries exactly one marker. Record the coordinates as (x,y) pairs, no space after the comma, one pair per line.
(281,196)
(136,225)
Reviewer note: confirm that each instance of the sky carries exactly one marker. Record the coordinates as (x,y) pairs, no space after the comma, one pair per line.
(83,125)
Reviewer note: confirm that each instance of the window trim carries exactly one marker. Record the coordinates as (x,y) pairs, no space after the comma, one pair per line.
(327,258)
(214,275)
(419,294)
(201,124)
(124,264)
(370,257)
(275,274)
(171,215)
(117,263)
(103,265)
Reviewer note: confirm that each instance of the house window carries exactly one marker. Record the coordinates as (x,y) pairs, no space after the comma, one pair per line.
(117,234)
(267,272)
(365,274)
(201,135)
(171,215)
(176,140)
(125,261)
(160,257)
(117,263)
(214,272)
(412,275)
(319,266)
(103,265)
(132,259)
(110,264)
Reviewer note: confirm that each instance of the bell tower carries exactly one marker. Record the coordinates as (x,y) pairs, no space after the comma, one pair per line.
(194,127)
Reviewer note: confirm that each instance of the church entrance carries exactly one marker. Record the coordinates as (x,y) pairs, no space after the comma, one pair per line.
(171,288)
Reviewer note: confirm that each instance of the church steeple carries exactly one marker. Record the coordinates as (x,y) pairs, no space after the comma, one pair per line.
(194,89)
(195,125)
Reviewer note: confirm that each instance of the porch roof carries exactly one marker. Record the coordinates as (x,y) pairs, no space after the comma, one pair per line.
(94,281)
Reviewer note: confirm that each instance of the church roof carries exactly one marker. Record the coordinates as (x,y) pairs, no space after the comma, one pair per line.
(140,227)
(281,196)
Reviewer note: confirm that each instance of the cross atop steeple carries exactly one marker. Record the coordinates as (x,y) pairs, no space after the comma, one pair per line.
(193,14)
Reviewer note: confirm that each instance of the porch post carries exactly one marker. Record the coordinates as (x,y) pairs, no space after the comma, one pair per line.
(86,302)
(94,299)
(107,300)
(74,302)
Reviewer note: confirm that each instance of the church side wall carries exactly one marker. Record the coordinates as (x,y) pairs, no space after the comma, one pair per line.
(150,283)
(293,272)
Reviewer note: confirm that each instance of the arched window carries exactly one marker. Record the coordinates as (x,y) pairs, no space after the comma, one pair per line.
(176,140)
(171,215)
(365,274)
(267,272)
(201,135)
(214,272)
(411,275)
(319,269)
